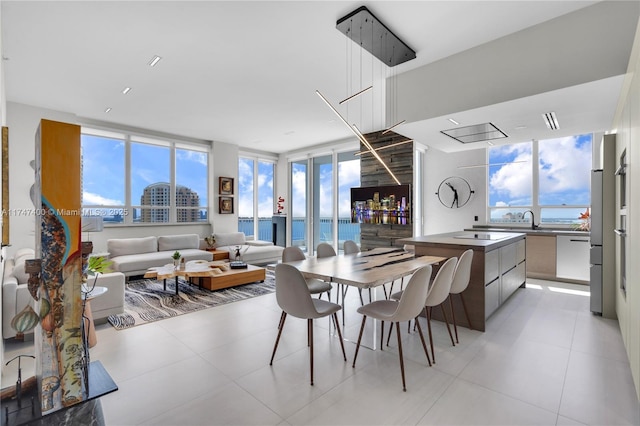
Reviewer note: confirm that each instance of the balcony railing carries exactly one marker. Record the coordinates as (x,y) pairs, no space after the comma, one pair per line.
(346,229)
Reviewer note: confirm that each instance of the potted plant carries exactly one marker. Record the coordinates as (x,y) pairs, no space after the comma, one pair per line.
(176,258)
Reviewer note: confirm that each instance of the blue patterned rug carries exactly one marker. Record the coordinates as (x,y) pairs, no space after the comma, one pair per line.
(146,301)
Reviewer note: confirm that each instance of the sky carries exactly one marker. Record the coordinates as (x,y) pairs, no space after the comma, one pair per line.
(103,171)
(564,172)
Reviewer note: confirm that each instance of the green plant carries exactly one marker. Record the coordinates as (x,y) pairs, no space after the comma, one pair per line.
(176,255)
(98,265)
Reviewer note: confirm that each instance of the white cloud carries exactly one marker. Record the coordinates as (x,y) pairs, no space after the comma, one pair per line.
(565,167)
(91,199)
(514,180)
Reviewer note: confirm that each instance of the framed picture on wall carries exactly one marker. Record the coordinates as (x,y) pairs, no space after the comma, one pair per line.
(226,205)
(226,185)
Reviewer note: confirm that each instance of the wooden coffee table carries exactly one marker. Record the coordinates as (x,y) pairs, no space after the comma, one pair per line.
(233,277)
(211,275)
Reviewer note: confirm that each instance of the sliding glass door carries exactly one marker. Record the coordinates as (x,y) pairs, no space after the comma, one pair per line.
(322,200)
(299,216)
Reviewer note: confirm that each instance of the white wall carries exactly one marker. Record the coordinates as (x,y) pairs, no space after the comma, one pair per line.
(225,163)
(628,137)
(23,121)
(440,165)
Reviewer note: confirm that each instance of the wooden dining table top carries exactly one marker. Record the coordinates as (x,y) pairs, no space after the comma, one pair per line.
(366,269)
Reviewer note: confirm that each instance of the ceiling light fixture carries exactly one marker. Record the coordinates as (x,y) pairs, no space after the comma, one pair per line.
(355,95)
(384,147)
(108,109)
(551,120)
(126,90)
(359,135)
(154,61)
(393,127)
(453,121)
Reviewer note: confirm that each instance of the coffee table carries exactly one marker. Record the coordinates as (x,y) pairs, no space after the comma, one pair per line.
(211,275)
(232,278)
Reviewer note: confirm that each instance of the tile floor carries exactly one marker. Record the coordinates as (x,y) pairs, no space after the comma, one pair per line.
(544,359)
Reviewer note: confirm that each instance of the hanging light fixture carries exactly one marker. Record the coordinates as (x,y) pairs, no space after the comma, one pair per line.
(370,34)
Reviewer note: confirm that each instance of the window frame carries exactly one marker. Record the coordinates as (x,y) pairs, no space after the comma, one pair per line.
(256,159)
(173,144)
(535,207)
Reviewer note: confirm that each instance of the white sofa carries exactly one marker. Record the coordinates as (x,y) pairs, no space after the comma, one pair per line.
(254,252)
(15,294)
(133,256)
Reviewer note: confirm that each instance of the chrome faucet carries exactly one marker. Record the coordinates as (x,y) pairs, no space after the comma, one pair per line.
(533,219)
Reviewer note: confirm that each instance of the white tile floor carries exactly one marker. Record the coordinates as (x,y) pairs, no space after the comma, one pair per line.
(544,359)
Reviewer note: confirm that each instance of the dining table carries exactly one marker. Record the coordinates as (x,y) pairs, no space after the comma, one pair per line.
(365,270)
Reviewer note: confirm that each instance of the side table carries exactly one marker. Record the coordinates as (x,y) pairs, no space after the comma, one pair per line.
(218,254)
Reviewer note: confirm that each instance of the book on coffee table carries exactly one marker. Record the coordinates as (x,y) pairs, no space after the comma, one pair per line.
(237,264)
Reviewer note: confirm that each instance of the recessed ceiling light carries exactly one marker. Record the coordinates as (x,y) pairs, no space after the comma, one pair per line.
(126,90)
(154,61)
(551,120)
(108,109)
(521,127)
(453,121)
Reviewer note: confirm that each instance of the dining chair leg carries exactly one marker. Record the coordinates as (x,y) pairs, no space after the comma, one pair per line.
(310,333)
(385,292)
(446,321)
(364,319)
(453,315)
(389,335)
(335,321)
(428,315)
(466,312)
(424,345)
(361,299)
(404,385)
(381,333)
(283,317)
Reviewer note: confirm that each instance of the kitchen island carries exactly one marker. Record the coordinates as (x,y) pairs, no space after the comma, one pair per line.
(497,271)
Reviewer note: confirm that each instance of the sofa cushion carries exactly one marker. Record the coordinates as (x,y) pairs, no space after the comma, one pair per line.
(18,270)
(124,246)
(229,239)
(178,242)
(25,252)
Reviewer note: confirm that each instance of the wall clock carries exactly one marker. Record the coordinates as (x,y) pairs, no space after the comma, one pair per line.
(454,192)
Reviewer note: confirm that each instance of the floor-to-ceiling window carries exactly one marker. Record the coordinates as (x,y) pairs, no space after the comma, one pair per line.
(132,179)
(255,195)
(348,177)
(299,219)
(321,200)
(549,177)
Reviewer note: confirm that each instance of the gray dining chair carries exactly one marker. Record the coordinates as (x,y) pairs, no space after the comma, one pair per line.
(294,298)
(409,307)
(461,278)
(350,247)
(316,286)
(438,293)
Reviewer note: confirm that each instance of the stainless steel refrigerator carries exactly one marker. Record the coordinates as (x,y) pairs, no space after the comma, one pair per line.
(603,240)
(595,254)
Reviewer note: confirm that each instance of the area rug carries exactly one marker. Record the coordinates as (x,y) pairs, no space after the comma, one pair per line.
(145,300)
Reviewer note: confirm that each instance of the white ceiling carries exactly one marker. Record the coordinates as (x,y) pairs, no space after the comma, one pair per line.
(245,72)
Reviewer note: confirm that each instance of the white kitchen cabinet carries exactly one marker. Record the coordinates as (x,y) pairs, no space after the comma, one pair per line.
(572,257)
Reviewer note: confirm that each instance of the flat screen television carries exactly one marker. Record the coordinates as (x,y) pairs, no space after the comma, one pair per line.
(386,204)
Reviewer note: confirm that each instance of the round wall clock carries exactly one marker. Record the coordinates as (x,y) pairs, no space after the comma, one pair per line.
(454,192)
